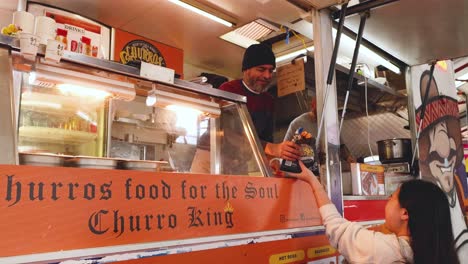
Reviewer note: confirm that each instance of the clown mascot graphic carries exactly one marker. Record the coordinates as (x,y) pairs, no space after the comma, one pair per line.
(441,149)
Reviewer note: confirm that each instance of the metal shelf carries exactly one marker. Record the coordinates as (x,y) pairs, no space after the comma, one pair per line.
(370,82)
(56,135)
(360,198)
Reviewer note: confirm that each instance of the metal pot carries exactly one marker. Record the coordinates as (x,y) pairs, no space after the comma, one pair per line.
(394,150)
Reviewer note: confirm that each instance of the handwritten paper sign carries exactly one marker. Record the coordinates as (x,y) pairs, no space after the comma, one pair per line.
(51,209)
(291,78)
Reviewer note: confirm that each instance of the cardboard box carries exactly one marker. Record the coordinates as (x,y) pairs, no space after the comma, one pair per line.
(367,179)
(395,81)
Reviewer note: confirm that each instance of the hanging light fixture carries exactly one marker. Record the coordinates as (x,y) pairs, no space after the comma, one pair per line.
(81,84)
(151,98)
(175,102)
(204,13)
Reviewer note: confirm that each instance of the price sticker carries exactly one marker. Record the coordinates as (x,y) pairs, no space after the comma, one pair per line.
(60,48)
(29,43)
(34,40)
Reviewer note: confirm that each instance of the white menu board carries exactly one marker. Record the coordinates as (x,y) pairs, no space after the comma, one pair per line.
(81,35)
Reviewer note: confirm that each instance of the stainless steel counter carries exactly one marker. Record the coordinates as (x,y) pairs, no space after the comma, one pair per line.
(360,198)
(115,67)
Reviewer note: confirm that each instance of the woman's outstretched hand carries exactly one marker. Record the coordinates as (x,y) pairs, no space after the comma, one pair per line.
(305,175)
(308,176)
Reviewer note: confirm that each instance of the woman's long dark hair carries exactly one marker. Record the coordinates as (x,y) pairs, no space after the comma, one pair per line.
(429,222)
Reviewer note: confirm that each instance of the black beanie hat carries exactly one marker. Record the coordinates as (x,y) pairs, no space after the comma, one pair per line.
(258,54)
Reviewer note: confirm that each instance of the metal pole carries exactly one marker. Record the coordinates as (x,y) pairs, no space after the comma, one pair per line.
(331,69)
(362,24)
(21,5)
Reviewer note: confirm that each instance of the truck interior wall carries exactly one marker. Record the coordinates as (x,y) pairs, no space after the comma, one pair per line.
(354,133)
(6,16)
(192,71)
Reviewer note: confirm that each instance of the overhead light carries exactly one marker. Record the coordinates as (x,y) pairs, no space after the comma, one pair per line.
(187,118)
(250,33)
(32,77)
(294,54)
(238,39)
(365,54)
(184,110)
(81,84)
(82,91)
(320,4)
(151,98)
(202,12)
(165,99)
(41,104)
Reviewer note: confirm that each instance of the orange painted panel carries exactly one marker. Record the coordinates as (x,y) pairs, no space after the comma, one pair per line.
(47,209)
(296,250)
(173,57)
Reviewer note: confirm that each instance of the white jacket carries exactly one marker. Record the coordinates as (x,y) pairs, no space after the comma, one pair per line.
(360,245)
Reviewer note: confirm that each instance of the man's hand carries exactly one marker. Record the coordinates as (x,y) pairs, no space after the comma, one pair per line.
(286,150)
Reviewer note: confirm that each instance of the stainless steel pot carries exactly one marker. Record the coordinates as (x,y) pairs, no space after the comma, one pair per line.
(394,150)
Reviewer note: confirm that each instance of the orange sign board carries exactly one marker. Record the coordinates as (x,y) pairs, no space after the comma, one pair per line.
(51,209)
(130,49)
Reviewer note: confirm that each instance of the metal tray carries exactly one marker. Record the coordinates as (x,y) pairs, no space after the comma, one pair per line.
(142,165)
(37,159)
(92,162)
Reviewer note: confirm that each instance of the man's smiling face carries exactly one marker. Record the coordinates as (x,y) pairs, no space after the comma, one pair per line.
(259,77)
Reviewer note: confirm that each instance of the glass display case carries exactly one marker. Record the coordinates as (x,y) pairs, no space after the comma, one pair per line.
(63,111)
(53,120)
(192,132)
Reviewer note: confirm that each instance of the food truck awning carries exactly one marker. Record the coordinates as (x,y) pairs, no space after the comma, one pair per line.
(417,31)
(413,31)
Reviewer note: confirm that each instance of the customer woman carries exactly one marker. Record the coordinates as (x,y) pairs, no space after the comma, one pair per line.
(417,216)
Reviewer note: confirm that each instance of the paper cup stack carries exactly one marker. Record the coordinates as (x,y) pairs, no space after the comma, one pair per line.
(24,21)
(29,43)
(45,28)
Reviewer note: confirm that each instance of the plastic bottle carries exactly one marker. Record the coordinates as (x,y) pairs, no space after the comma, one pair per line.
(86,42)
(62,37)
(309,155)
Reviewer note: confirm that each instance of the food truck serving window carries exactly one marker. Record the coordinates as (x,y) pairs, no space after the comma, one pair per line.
(83,117)
(191,132)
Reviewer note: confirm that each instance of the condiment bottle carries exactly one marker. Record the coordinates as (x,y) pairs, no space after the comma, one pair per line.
(308,153)
(292,165)
(86,42)
(62,37)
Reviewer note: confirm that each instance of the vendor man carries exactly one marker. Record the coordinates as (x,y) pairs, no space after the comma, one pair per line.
(257,69)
